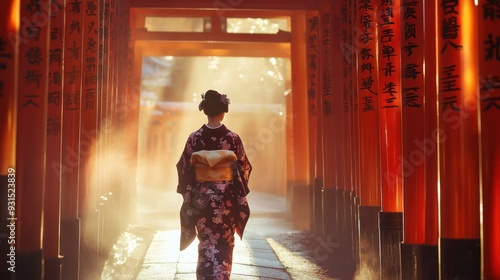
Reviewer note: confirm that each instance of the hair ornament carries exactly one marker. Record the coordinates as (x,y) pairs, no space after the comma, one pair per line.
(200,106)
(224,99)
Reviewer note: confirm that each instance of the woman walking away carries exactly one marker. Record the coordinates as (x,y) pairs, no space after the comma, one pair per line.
(213,179)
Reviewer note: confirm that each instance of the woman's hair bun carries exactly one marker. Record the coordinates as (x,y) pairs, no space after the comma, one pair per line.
(213,103)
(212,95)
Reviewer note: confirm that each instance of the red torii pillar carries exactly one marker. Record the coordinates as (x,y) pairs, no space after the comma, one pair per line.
(31,136)
(114,135)
(312,33)
(367,82)
(132,99)
(105,191)
(289,155)
(390,218)
(88,179)
(419,259)
(432,131)
(459,203)
(103,123)
(9,26)
(352,51)
(89,107)
(329,197)
(123,12)
(105,120)
(489,74)
(336,125)
(70,169)
(348,106)
(300,189)
(52,209)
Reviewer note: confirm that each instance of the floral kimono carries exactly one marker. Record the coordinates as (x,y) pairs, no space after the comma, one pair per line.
(215,170)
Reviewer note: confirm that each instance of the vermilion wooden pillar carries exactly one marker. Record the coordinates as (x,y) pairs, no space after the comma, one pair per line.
(390,96)
(431,129)
(312,29)
(341,167)
(123,10)
(88,178)
(110,112)
(117,138)
(105,121)
(111,225)
(347,107)
(8,63)
(127,202)
(89,106)
(131,103)
(489,75)
(102,122)
(105,125)
(330,222)
(33,49)
(9,26)
(345,97)
(390,104)
(459,149)
(100,105)
(337,124)
(300,122)
(418,260)
(133,95)
(289,156)
(52,210)
(413,112)
(367,82)
(72,104)
(354,127)
(319,177)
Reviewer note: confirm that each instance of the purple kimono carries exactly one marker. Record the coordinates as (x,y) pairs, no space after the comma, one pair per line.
(217,209)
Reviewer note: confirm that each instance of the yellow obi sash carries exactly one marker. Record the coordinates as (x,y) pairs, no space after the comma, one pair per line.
(213,165)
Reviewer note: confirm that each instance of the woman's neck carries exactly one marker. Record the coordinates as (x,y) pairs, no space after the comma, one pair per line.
(213,125)
(214,122)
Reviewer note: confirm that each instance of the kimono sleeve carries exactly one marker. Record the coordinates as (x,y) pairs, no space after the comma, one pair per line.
(185,172)
(243,168)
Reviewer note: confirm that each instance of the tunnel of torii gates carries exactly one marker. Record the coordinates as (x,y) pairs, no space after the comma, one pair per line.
(392,126)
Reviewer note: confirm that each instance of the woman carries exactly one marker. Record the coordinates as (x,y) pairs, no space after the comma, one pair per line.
(213,178)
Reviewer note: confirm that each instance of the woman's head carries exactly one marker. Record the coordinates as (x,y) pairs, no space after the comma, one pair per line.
(213,103)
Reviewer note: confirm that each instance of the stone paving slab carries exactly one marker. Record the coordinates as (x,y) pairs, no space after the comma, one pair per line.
(253,258)
(266,263)
(244,277)
(149,250)
(262,254)
(159,271)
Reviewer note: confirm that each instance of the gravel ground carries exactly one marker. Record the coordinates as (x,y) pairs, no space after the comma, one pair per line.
(307,256)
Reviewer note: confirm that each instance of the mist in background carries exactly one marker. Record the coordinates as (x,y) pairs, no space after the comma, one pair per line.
(171,92)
